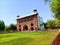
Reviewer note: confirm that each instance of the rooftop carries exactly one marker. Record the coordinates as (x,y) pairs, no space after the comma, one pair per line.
(29,15)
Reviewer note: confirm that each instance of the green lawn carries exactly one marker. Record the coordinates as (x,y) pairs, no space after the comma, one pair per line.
(28,38)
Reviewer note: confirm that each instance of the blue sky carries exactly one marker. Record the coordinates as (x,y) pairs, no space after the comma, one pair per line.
(9,9)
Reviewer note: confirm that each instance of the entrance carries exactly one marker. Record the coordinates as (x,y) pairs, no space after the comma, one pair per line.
(32,28)
(25,28)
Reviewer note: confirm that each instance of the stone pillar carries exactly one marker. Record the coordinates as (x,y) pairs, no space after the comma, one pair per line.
(22,27)
(29,27)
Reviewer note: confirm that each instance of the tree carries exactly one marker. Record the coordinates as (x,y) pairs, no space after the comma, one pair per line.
(51,23)
(7,28)
(45,25)
(12,27)
(57,22)
(2,25)
(55,7)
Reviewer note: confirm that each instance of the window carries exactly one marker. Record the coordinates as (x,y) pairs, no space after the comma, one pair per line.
(19,25)
(31,24)
(19,29)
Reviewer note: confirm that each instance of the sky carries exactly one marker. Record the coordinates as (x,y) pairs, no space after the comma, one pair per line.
(9,9)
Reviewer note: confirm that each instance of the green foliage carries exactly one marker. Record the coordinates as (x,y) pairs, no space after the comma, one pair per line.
(53,23)
(57,23)
(12,27)
(2,25)
(45,24)
(55,7)
(7,28)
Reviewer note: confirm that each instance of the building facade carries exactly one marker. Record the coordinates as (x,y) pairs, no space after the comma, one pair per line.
(30,23)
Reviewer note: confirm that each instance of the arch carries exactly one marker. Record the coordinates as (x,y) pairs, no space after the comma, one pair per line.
(25,28)
(32,24)
(19,29)
(32,28)
(19,25)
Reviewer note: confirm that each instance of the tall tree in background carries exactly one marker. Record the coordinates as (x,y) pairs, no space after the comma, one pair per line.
(55,7)
(12,27)
(2,26)
(57,23)
(7,28)
(51,23)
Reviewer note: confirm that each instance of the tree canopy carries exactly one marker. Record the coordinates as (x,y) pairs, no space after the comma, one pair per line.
(50,23)
(55,8)
(53,23)
(12,27)
(2,25)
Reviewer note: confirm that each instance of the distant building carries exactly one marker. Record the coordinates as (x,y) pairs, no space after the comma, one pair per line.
(33,22)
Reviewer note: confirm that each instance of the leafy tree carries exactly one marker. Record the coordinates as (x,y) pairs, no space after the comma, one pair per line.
(55,7)
(12,27)
(45,25)
(7,28)
(57,22)
(51,23)
(2,25)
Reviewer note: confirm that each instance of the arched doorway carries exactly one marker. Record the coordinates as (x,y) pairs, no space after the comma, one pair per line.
(25,28)
(32,28)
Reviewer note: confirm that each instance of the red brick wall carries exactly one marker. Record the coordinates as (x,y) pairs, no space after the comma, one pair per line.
(28,23)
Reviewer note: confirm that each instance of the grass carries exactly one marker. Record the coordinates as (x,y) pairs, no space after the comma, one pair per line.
(28,38)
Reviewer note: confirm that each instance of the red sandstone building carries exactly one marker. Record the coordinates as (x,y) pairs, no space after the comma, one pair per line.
(28,23)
